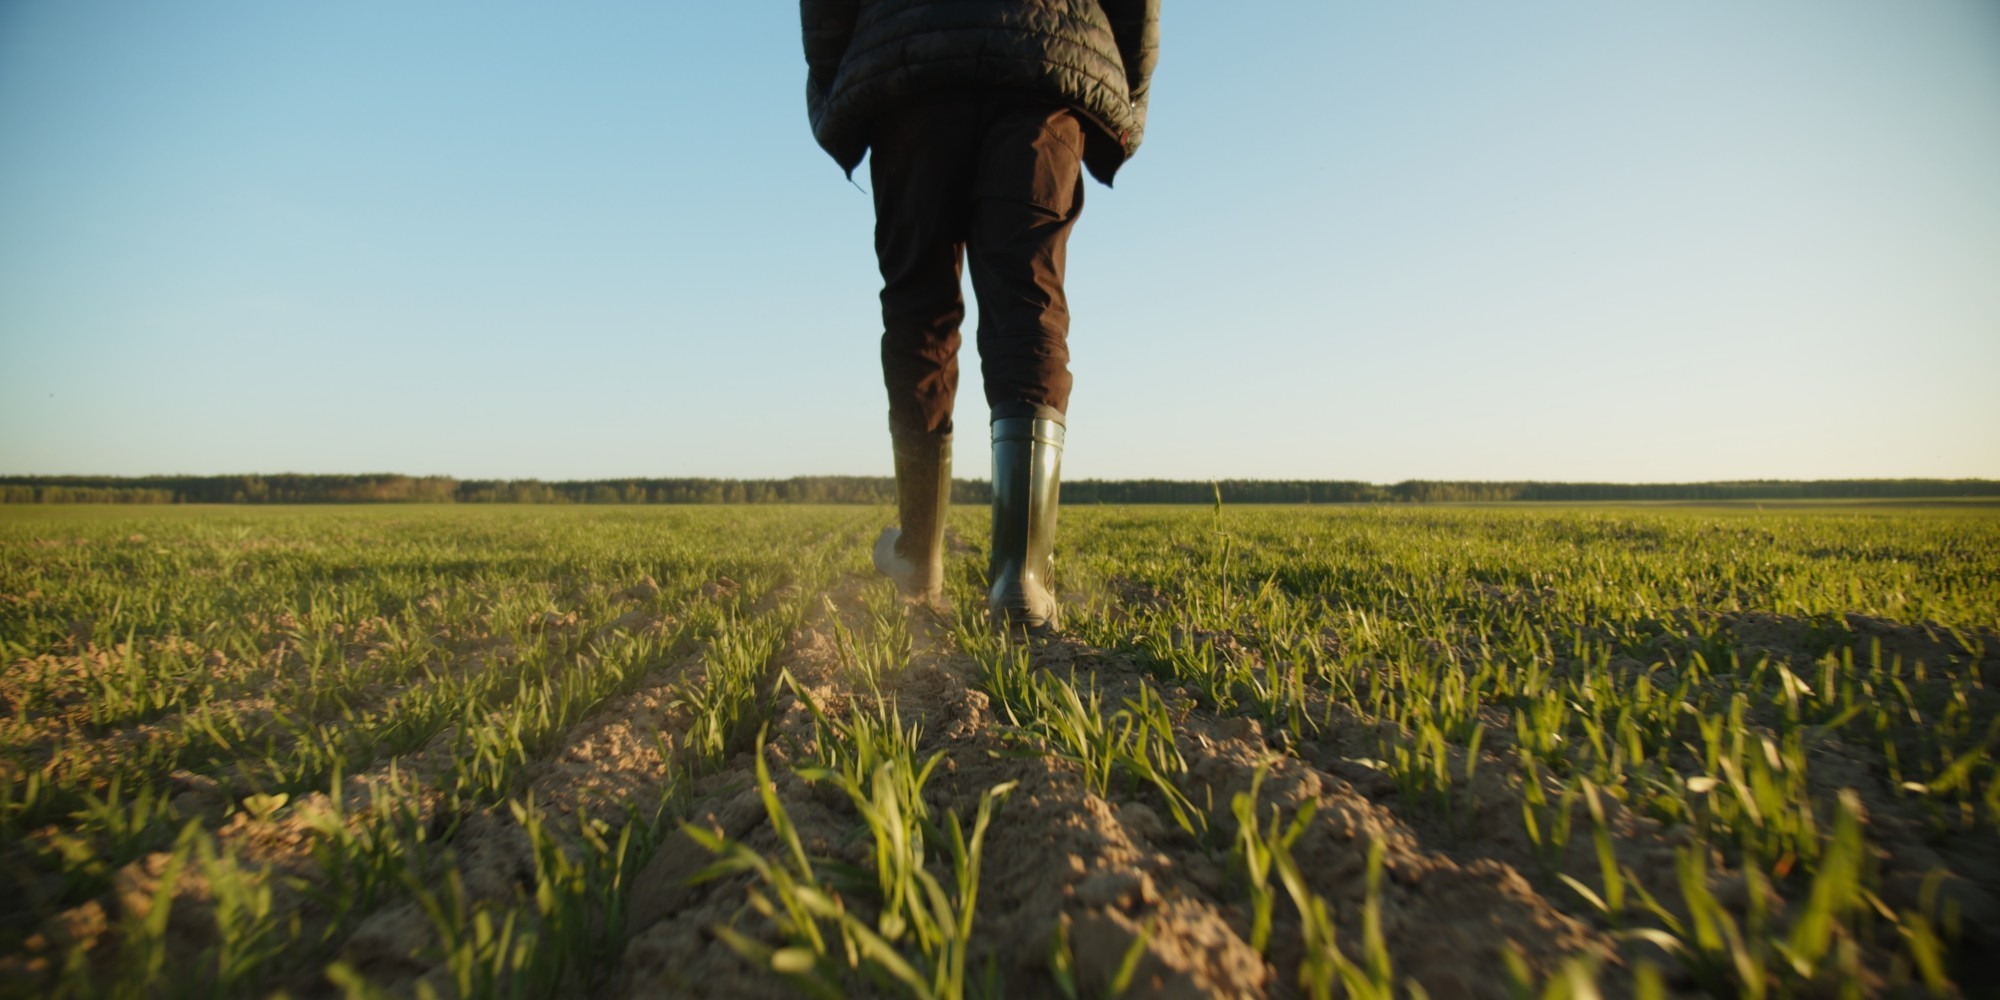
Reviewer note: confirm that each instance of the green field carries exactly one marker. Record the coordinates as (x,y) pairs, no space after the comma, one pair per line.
(1302,751)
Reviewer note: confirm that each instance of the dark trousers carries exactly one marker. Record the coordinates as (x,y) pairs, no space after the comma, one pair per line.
(997,181)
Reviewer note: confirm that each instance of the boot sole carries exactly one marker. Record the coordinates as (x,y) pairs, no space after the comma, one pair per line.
(1023,621)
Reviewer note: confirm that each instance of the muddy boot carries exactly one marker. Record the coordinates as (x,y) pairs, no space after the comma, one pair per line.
(1027,471)
(913,554)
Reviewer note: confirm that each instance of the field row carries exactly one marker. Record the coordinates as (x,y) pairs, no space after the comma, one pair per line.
(1301,751)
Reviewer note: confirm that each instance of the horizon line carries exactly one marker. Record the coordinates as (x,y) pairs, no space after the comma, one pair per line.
(1195,481)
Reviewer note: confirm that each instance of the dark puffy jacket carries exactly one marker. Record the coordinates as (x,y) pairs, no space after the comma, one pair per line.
(866,57)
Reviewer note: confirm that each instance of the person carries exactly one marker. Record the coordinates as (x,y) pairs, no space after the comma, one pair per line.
(979,119)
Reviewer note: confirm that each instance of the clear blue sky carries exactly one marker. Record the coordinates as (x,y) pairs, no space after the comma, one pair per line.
(1584,241)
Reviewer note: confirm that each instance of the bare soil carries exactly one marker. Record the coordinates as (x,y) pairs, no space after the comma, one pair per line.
(1063,862)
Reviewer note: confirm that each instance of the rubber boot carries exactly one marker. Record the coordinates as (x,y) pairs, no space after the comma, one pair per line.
(1027,476)
(913,553)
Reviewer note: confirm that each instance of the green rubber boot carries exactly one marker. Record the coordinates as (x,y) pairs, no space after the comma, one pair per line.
(912,554)
(1027,476)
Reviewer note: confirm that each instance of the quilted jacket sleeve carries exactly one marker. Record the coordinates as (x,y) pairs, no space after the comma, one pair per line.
(1136,26)
(828,27)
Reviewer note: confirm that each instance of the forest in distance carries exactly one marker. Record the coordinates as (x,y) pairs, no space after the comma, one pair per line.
(302,488)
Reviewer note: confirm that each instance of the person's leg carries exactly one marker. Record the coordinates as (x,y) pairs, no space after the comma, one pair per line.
(1027,198)
(921,167)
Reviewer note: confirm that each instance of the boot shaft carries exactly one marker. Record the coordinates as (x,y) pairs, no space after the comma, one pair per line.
(923,481)
(1027,477)
(923,498)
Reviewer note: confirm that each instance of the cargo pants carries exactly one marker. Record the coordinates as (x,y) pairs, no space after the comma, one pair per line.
(996,182)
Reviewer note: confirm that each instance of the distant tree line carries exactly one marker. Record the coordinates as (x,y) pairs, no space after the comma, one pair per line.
(23,493)
(393,488)
(1444,491)
(281,488)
